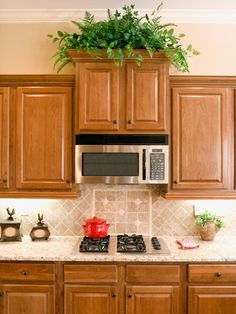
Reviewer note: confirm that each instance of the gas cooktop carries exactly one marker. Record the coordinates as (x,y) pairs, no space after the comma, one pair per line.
(124,243)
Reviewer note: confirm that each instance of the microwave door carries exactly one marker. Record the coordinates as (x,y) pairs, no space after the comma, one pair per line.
(109,164)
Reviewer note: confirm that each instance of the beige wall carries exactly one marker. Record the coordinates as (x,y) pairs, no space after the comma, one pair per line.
(26,49)
(172,4)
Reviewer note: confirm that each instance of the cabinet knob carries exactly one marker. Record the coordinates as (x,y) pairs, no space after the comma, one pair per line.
(175,182)
(68,181)
(1,293)
(113,295)
(218,274)
(25,273)
(4,180)
(114,121)
(129,295)
(129,121)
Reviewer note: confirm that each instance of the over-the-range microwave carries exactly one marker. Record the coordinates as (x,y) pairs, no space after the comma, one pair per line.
(121,159)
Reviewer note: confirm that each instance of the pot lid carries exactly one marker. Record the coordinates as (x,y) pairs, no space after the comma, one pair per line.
(95,220)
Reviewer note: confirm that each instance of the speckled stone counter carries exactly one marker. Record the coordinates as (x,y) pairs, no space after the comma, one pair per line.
(222,249)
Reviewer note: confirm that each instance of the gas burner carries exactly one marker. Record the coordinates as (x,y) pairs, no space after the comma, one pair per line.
(94,244)
(133,243)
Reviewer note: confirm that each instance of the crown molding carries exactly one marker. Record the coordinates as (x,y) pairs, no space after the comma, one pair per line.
(66,15)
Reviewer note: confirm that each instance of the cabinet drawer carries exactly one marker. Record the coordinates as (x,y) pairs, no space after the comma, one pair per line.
(153,273)
(211,273)
(90,273)
(27,272)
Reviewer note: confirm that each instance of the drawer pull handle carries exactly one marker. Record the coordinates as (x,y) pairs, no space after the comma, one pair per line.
(25,273)
(218,275)
(113,295)
(129,295)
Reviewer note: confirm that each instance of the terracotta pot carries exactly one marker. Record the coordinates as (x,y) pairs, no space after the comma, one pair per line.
(209,231)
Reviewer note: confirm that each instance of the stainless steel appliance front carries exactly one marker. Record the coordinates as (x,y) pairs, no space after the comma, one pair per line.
(122,164)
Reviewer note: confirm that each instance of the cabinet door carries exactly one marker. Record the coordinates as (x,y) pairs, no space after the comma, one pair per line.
(97,96)
(43,148)
(212,300)
(4,137)
(27,299)
(90,299)
(146,96)
(202,138)
(152,300)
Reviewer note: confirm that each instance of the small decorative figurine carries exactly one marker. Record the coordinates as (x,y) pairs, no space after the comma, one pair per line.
(10,228)
(40,232)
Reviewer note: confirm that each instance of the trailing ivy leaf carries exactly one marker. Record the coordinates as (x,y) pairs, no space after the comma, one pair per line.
(196,52)
(189,48)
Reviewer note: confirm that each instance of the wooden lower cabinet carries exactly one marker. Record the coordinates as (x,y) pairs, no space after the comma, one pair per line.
(27,299)
(27,288)
(212,289)
(152,300)
(212,300)
(90,299)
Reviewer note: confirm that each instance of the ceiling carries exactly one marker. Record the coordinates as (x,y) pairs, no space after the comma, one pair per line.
(147,4)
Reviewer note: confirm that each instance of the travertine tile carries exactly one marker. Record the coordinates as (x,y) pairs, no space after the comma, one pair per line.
(128,208)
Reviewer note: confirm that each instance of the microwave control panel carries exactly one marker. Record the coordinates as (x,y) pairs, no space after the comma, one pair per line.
(157,166)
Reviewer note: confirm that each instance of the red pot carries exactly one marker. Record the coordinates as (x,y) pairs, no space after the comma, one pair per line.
(96,227)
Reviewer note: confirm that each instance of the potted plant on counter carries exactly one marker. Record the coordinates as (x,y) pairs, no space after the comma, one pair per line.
(209,224)
(122,35)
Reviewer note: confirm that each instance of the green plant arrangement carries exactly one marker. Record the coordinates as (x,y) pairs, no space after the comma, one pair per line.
(207,216)
(120,34)
(209,224)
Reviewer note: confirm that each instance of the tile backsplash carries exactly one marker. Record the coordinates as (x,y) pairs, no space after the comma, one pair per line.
(128,209)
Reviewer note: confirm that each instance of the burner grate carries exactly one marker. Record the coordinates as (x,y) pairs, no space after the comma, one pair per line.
(95,244)
(134,243)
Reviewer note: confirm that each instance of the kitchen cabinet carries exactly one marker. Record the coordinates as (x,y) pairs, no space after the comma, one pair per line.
(212,289)
(202,141)
(36,151)
(89,287)
(152,289)
(97,106)
(43,138)
(4,137)
(27,288)
(121,99)
(84,299)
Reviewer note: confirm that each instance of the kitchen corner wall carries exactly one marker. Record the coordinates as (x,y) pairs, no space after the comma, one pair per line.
(131,209)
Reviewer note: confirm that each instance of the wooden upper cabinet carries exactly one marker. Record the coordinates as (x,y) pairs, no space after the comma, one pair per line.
(43,138)
(121,99)
(97,96)
(202,138)
(4,136)
(146,96)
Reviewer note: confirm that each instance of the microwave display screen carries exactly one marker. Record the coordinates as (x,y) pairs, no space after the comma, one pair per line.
(110,164)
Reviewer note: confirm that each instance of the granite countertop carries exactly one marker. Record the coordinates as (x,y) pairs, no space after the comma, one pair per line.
(222,249)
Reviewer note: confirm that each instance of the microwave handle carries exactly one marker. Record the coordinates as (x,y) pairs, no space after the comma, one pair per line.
(144,164)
